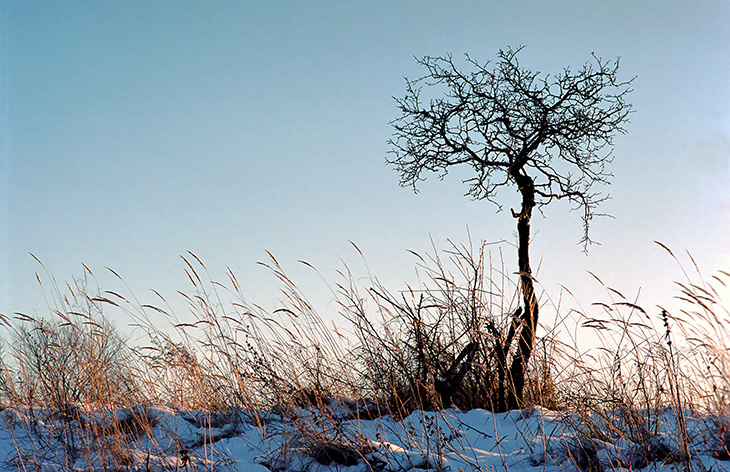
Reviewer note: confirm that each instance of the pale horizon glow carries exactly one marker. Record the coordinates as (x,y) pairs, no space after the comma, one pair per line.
(133,132)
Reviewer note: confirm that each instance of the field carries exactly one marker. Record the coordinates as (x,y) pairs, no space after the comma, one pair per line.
(401,380)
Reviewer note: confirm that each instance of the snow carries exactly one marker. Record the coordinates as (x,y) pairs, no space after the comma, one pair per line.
(159,438)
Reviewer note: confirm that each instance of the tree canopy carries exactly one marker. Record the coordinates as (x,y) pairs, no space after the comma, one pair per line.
(506,121)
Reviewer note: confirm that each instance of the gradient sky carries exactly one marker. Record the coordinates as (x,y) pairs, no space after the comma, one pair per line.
(134,131)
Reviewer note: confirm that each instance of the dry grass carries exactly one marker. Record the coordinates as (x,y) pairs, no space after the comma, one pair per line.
(651,370)
(426,347)
(446,342)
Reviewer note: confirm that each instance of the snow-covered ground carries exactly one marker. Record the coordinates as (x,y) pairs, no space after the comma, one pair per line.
(163,439)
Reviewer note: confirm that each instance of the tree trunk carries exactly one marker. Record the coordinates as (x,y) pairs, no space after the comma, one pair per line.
(528,318)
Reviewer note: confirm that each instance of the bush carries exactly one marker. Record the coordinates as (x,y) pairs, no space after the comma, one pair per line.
(76,355)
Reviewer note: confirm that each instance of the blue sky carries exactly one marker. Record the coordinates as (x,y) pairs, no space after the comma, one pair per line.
(135,131)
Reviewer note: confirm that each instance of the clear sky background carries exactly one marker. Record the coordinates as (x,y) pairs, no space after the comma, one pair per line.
(134,131)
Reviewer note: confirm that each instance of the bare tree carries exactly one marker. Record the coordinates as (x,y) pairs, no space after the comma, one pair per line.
(543,134)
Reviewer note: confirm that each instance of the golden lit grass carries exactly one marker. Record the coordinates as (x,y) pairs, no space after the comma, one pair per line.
(388,352)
